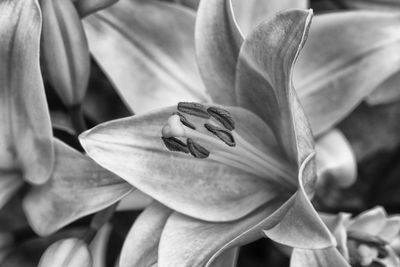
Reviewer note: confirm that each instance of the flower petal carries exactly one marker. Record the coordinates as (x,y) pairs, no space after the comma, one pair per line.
(133,149)
(328,257)
(250,13)
(189,242)
(264,83)
(10,182)
(71,193)
(384,5)
(336,162)
(141,244)
(65,51)
(218,42)
(133,43)
(371,221)
(387,92)
(25,135)
(296,223)
(391,229)
(340,65)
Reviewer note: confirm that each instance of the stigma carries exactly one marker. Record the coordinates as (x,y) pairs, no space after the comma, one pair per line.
(209,133)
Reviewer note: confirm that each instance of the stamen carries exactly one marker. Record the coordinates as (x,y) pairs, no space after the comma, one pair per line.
(197,150)
(195,109)
(223,116)
(174,144)
(222,134)
(185,121)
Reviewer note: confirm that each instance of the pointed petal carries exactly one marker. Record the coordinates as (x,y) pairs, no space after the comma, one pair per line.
(296,223)
(264,83)
(250,13)
(150,65)
(133,149)
(65,50)
(71,193)
(10,182)
(336,162)
(136,200)
(341,65)
(371,221)
(218,42)
(141,244)
(189,242)
(25,135)
(328,257)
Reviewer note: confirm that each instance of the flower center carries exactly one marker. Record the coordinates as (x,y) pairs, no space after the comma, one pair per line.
(210,133)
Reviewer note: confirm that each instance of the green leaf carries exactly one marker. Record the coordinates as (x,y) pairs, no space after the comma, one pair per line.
(218,42)
(264,80)
(341,64)
(65,51)
(250,13)
(25,136)
(133,149)
(151,67)
(71,193)
(144,237)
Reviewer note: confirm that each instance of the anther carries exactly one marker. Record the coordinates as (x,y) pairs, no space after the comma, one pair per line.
(174,144)
(222,116)
(197,150)
(195,109)
(184,120)
(224,135)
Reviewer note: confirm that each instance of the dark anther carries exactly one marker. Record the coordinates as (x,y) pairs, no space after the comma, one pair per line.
(195,109)
(184,120)
(223,116)
(224,135)
(382,252)
(174,144)
(197,150)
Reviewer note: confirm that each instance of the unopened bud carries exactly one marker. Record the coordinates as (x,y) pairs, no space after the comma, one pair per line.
(65,51)
(86,7)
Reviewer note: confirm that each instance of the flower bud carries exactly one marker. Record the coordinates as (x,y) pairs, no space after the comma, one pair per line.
(71,252)
(86,7)
(65,50)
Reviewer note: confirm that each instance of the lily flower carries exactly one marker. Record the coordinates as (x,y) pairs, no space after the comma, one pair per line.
(365,240)
(233,171)
(29,153)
